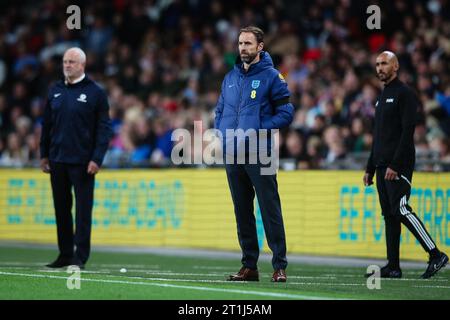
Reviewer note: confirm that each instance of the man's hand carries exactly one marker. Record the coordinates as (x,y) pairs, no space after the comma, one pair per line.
(368,179)
(92,168)
(391,175)
(45,165)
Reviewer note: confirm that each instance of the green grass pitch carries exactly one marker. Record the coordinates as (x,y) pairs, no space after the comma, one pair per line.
(161,277)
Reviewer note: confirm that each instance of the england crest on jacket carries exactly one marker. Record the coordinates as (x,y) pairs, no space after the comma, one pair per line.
(255,84)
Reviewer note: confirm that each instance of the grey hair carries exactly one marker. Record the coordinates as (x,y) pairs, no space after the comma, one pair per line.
(80,53)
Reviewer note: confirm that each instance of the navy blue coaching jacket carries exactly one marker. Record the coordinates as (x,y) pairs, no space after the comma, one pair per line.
(76,127)
(256,99)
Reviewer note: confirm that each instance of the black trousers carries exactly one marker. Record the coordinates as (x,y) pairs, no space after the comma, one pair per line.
(244,180)
(63,177)
(394,196)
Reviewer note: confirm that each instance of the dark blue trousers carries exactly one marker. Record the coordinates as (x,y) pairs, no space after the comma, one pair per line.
(63,177)
(244,180)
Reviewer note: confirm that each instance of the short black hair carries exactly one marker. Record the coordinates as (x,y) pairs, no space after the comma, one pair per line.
(259,34)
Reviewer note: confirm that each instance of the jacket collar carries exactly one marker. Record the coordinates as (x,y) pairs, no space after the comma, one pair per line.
(265,62)
(393,82)
(80,82)
(77,79)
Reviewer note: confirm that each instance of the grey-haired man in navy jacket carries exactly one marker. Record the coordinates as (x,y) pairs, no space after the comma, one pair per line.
(76,131)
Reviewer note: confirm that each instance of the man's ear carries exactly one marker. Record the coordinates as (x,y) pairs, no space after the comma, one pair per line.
(260,46)
(396,67)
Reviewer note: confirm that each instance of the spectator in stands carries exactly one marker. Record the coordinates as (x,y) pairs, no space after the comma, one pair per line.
(295,149)
(15,154)
(157,54)
(334,144)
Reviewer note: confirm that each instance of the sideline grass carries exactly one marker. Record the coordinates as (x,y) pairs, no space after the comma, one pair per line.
(157,277)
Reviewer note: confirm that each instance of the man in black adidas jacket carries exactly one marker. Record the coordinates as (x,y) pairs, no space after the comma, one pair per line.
(392,159)
(75,135)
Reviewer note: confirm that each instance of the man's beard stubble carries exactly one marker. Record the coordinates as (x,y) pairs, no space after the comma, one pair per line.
(383,76)
(248,58)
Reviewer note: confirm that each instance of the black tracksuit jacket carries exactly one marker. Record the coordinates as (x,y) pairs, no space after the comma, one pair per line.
(76,127)
(393,137)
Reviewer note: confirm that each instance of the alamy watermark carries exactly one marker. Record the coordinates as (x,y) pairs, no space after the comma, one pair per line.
(374,21)
(74,20)
(74,280)
(235,147)
(374,280)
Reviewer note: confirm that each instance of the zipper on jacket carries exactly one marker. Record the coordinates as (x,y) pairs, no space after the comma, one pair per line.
(240,100)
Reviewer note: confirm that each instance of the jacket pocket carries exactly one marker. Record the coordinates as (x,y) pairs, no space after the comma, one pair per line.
(249,117)
(228,118)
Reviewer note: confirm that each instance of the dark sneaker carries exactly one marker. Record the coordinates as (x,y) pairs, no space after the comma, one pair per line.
(434,265)
(387,272)
(279,276)
(245,274)
(60,262)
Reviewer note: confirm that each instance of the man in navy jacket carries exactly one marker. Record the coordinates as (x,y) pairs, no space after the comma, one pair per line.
(75,135)
(254,96)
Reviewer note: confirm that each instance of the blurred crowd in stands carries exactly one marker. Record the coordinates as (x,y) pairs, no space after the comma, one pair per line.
(162,63)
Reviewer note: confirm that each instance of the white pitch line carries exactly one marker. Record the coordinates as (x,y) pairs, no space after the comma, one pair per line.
(172,279)
(246,292)
(110,265)
(166,273)
(261,277)
(198,280)
(180,274)
(15,263)
(417,279)
(219,275)
(237,282)
(65,271)
(137,266)
(337,276)
(212,268)
(195,280)
(312,277)
(438,287)
(328,276)
(327,284)
(215,274)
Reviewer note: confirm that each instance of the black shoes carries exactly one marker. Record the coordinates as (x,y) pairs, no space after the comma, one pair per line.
(387,272)
(435,264)
(62,262)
